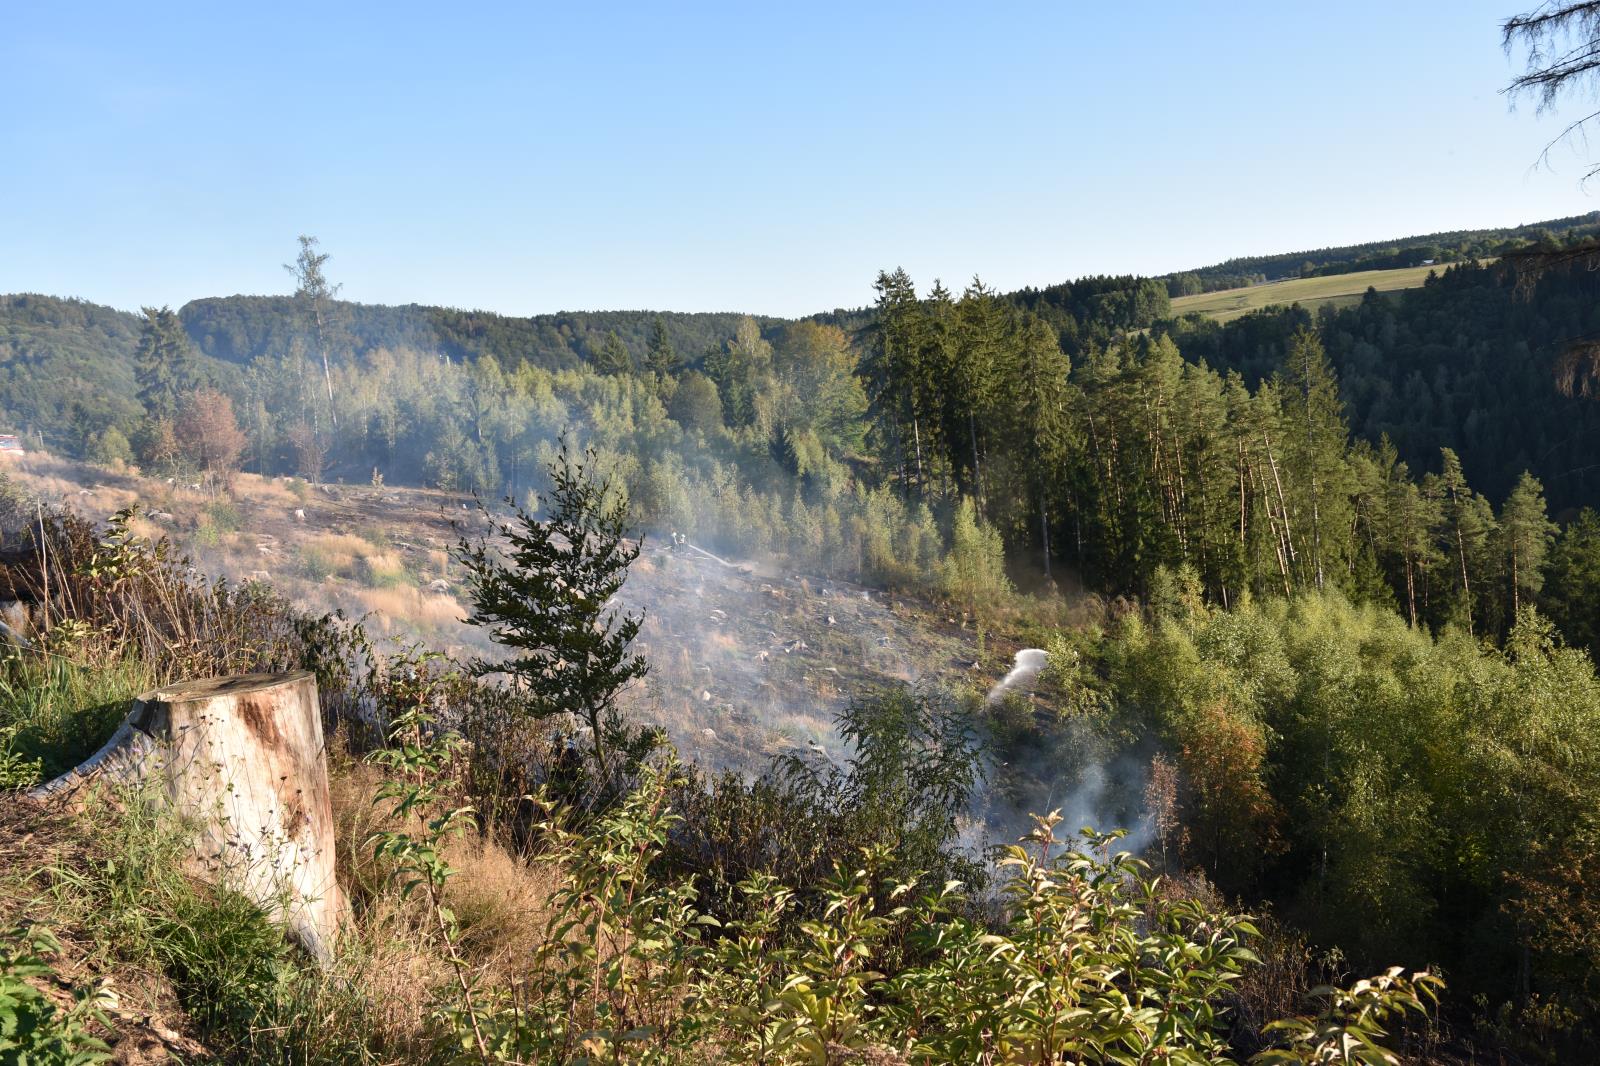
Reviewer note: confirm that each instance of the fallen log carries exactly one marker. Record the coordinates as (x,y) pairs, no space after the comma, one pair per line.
(242,759)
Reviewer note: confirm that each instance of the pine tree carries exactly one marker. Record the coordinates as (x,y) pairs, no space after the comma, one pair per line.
(316,294)
(1525,534)
(1413,519)
(661,358)
(613,357)
(550,600)
(1044,430)
(164,364)
(1467,529)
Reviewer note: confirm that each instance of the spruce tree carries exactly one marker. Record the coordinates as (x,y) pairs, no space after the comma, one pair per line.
(890,371)
(1044,430)
(163,363)
(1572,594)
(661,358)
(1525,533)
(613,357)
(549,598)
(1314,449)
(982,363)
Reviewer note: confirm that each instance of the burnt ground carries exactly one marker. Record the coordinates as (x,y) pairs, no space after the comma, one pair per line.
(747,659)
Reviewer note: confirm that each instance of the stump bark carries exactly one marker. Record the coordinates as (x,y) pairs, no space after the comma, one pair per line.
(242,759)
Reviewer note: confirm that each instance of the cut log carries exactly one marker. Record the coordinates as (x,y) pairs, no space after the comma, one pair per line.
(242,759)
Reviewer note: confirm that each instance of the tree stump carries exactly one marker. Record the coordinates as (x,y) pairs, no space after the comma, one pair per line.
(242,759)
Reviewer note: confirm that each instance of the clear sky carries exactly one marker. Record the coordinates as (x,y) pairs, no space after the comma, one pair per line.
(770,158)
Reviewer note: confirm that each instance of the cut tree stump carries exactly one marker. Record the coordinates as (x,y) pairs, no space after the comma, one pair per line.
(242,759)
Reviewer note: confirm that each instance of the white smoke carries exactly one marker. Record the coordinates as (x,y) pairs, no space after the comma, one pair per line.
(1028,663)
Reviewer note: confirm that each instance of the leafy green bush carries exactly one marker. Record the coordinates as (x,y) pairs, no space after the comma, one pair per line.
(316,564)
(222,516)
(1087,959)
(1402,795)
(16,769)
(34,1031)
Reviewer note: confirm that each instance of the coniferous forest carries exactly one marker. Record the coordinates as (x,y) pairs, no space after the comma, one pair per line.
(1385,450)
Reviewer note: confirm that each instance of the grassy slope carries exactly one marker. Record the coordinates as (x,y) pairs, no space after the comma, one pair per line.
(745,660)
(1340,290)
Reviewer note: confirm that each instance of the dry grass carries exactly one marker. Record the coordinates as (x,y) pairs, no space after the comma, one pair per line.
(383,569)
(341,550)
(722,641)
(403,608)
(390,953)
(255,489)
(146,529)
(503,905)
(61,482)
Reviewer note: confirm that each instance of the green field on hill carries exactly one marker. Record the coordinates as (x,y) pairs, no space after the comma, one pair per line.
(1339,290)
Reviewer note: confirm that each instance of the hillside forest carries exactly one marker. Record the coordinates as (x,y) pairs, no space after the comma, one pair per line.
(1343,577)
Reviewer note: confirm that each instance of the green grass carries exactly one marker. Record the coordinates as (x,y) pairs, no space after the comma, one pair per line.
(1340,290)
(124,892)
(59,712)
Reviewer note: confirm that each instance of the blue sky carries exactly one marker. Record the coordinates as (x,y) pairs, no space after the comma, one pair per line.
(769,158)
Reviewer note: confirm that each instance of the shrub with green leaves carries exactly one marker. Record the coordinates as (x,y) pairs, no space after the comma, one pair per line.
(34,1030)
(1083,958)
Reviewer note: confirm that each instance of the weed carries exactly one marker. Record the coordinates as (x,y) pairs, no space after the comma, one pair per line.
(33,1030)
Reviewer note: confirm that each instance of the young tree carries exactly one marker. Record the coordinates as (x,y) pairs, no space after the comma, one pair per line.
(549,598)
(741,369)
(310,452)
(163,363)
(815,386)
(110,447)
(696,404)
(975,571)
